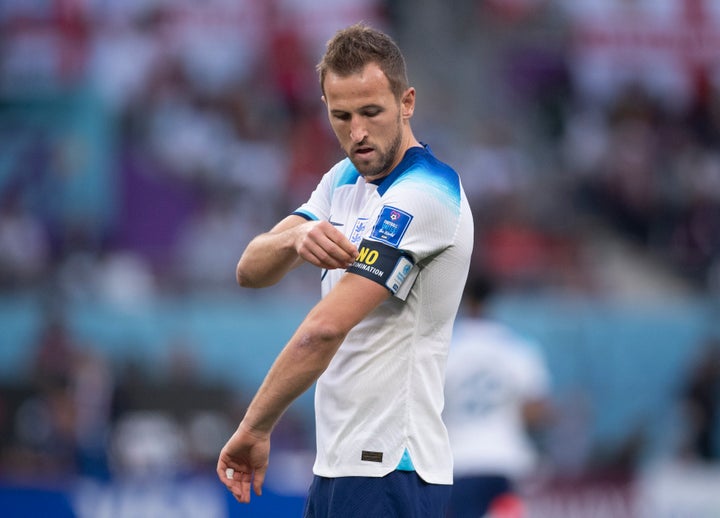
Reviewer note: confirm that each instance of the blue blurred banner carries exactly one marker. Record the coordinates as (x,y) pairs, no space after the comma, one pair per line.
(190,498)
(664,491)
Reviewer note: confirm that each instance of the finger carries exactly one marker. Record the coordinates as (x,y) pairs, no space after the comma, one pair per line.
(329,247)
(258,480)
(341,245)
(318,255)
(333,254)
(236,481)
(347,247)
(344,257)
(225,473)
(239,485)
(244,483)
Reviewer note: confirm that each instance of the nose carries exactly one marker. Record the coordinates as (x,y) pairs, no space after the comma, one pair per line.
(358,132)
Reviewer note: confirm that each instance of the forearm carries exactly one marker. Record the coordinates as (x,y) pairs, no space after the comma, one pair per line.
(269,256)
(266,260)
(312,347)
(296,368)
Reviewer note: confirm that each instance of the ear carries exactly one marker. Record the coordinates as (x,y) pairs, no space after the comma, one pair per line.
(407,103)
(322,97)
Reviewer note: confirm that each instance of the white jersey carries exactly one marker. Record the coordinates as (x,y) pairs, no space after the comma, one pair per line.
(491,373)
(382,394)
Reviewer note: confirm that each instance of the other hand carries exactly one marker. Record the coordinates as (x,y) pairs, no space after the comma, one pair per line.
(243,462)
(323,245)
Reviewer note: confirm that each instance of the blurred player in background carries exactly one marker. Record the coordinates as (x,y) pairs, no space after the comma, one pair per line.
(497,394)
(392,232)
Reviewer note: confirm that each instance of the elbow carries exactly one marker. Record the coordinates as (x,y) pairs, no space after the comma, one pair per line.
(246,279)
(322,338)
(330,335)
(242,278)
(317,340)
(324,335)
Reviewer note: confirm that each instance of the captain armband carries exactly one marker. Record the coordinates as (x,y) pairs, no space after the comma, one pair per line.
(383,264)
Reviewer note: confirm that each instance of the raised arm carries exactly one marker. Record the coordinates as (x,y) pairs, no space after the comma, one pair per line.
(269,256)
(244,459)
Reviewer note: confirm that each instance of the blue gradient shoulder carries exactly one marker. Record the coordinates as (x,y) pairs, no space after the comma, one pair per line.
(429,173)
(344,173)
(439,175)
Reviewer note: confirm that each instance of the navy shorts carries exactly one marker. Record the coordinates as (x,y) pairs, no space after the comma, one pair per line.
(472,496)
(400,494)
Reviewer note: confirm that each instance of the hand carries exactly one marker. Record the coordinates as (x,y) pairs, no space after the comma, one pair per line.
(243,462)
(323,245)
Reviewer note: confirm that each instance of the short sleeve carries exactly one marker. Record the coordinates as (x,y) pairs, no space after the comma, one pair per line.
(419,215)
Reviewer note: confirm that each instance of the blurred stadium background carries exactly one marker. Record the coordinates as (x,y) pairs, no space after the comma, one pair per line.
(144,142)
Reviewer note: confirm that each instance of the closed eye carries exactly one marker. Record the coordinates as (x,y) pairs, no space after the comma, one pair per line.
(368,111)
(372,112)
(343,116)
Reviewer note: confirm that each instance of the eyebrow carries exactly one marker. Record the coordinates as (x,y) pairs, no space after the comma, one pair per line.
(337,111)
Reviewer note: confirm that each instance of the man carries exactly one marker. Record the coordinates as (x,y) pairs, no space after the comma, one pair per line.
(497,393)
(391,229)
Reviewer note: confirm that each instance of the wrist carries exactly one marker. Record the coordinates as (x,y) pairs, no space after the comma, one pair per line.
(256,431)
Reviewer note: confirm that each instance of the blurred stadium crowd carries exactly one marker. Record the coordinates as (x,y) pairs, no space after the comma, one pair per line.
(143,143)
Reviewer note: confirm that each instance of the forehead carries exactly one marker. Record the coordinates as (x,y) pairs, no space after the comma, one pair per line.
(368,86)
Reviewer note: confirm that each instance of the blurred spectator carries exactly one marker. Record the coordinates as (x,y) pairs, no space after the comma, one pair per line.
(93,391)
(124,55)
(148,443)
(497,399)
(24,244)
(695,241)
(119,277)
(123,279)
(188,137)
(494,166)
(44,433)
(170,420)
(55,353)
(221,219)
(523,251)
(60,425)
(289,63)
(311,146)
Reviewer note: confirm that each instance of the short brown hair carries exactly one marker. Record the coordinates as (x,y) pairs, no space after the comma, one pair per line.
(357,45)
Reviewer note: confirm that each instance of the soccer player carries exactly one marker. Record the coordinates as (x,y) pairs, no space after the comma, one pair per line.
(391,230)
(497,394)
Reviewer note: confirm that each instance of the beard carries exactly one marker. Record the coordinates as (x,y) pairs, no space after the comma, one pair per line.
(384,162)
